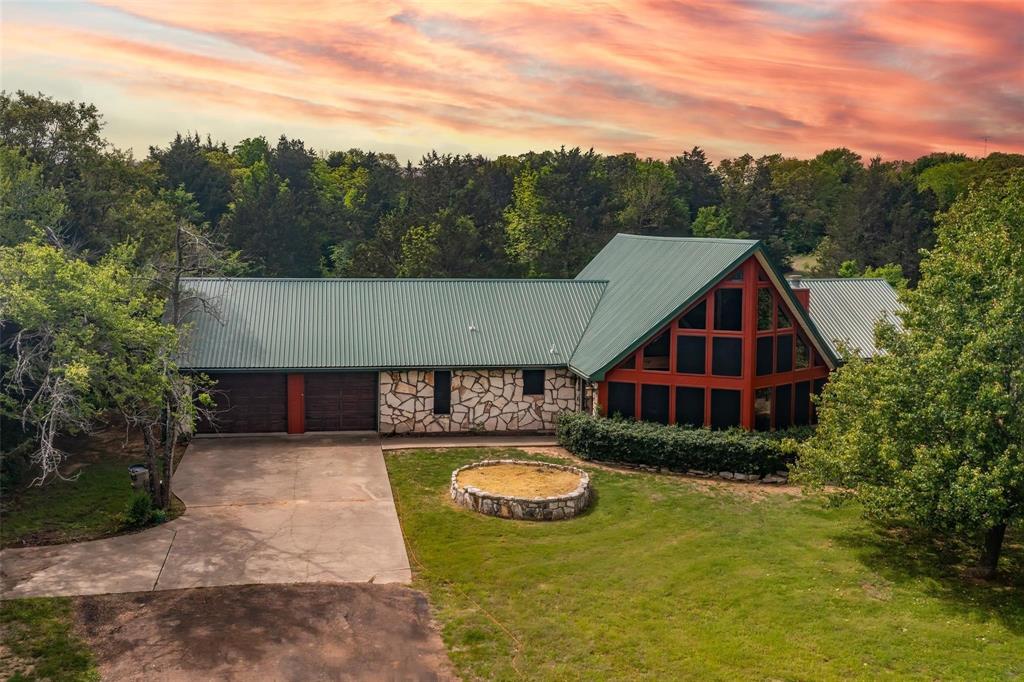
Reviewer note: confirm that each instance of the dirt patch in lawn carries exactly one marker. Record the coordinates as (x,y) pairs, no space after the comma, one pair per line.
(520,480)
(265,632)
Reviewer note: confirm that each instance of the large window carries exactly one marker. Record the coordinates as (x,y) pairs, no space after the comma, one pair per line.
(802,403)
(725,408)
(764,309)
(765,355)
(784,321)
(656,353)
(654,403)
(690,354)
(621,399)
(783,402)
(442,391)
(533,382)
(803,353)
(689,406)
(784,353)
(696,317)
(629,362)
(726,356)
(729,309)
(763,409)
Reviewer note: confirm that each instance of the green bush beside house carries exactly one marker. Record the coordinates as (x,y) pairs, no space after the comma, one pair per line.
(673,447)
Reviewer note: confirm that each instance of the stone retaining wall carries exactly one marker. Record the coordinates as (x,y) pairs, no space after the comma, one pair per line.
(522,508)
(482,400)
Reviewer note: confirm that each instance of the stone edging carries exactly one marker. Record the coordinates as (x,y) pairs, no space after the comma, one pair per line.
(523,508)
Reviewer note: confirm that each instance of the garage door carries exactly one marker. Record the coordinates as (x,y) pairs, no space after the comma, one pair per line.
(249,403)
(341,401)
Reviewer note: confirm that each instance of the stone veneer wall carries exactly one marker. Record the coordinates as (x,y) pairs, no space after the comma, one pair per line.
(482,400)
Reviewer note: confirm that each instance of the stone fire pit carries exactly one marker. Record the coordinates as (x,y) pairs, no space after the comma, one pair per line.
(518,489)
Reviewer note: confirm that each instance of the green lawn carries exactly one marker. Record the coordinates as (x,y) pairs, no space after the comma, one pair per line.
(664,579)
(86,507)
(40,643)
(64,511)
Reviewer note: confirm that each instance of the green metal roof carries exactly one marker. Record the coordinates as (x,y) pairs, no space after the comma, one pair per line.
(845,310)
(651,281)
(388,323)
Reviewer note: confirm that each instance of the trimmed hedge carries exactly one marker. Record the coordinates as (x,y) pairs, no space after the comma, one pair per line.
(673,447)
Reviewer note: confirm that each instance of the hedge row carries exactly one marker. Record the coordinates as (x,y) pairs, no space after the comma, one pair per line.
(673,447)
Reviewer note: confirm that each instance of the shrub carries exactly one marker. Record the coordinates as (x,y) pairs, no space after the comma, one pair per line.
(673,447)
(140,511)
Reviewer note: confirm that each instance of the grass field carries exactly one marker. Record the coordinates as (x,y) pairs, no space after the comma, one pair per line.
(666,578)
(40,643)
(87,506)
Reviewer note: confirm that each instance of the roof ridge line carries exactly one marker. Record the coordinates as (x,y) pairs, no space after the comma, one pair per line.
(449,280)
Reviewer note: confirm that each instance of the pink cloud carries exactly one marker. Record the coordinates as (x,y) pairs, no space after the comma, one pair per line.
(894,77)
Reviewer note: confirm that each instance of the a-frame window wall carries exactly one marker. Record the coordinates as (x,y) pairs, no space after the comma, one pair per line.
(736,357)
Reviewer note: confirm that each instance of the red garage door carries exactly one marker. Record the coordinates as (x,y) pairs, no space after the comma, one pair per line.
(249,403)
(341,401)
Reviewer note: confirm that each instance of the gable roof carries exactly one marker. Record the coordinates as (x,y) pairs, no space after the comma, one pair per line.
(388,323)
(651,281)
(846,310)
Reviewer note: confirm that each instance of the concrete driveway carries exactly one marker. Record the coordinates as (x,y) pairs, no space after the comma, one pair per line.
(268,509)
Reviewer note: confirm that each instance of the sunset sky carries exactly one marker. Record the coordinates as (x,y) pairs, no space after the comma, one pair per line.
(897,78)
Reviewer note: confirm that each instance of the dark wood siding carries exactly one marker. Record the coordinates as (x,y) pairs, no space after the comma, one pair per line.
(341,401)
(249,403)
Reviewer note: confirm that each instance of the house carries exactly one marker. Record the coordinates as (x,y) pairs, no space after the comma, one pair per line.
(674,330)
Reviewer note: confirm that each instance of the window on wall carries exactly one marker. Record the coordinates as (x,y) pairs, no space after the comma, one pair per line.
(725,408)
(784,353)
(765,355)
(763,409)
(696,317)
(656,353)
(729,309)
(442,391)
(621,399)
(802,403)
(654,403)
(818,362)
(764,308)
(628,363)
(533,382)
(690,354)
(689,406)
(784,321)
(737,275)
(802,358)
(726,356)
(783,402)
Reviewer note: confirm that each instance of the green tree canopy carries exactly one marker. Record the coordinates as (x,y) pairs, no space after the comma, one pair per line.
(932,432)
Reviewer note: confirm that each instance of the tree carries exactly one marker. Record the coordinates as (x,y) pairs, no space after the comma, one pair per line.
(713,221)
(203,169)
(438,249)
(535,236)
(890,272)
(932,432)
(650,201)
(28,208)
(698,184)
(79,340)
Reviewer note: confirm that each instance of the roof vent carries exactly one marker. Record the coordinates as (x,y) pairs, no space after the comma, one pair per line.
(553,350)
(472,327)
(794,279)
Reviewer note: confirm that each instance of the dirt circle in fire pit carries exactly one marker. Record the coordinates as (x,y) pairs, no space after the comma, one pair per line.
(518,489)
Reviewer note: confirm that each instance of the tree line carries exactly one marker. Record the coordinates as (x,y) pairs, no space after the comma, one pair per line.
(94,244)
(288,211)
